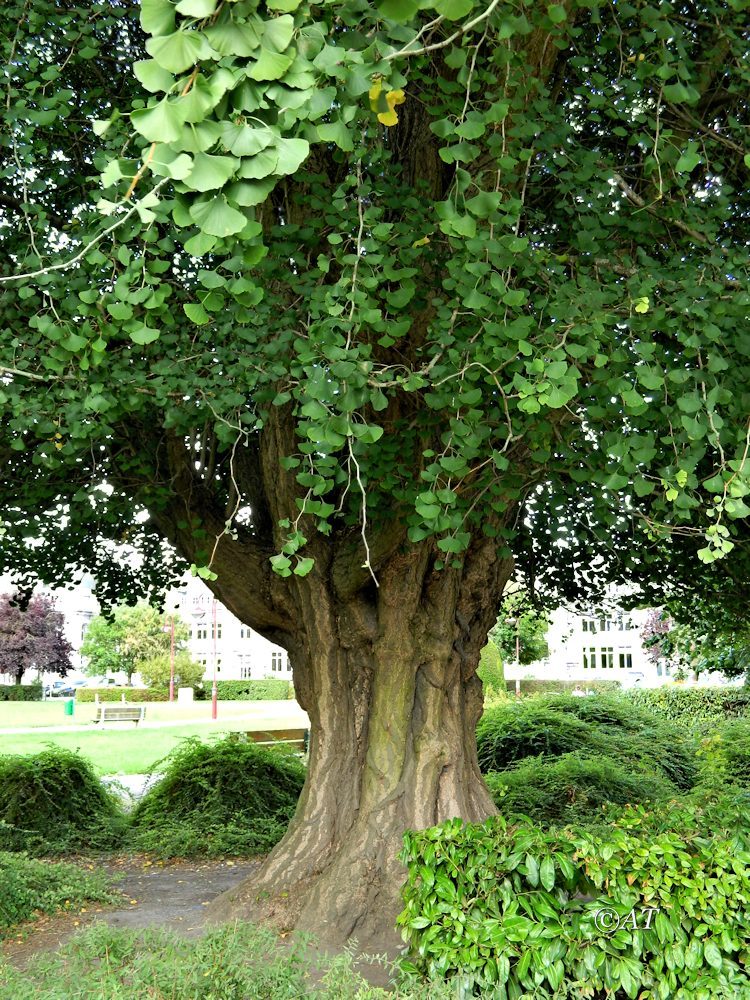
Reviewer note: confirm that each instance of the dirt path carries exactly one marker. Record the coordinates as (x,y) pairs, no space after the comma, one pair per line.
(172,894)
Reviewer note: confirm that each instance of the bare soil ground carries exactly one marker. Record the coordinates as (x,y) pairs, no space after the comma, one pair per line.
(171,894)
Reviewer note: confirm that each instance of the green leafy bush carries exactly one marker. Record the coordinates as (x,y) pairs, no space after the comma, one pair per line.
(28,886)
(491,670)
(21,692)
(532,686)
(225,797)
(270,689)
(110,694)
(725,755)
(572,788)
(53,802)
(651,904)
(693,706)
(509,733)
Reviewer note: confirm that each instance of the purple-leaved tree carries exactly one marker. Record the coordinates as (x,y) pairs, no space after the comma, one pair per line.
(32,638)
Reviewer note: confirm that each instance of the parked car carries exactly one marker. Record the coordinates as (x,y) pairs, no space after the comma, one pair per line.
(59,689)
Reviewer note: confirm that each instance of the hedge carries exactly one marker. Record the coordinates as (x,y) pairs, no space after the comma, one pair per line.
(116,693)
(269,689)
(530,686)
(652,904)
(693,705)
(21,692)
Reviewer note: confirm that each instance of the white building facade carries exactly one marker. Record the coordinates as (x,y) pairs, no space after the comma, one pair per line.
(216,636)
(595,646)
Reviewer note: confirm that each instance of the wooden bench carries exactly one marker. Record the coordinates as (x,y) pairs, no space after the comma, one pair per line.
(267,737)
(113,712)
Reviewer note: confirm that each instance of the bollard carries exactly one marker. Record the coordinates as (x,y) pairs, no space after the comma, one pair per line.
(70,704)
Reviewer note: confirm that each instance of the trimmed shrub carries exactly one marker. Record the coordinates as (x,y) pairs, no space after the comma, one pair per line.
(269,689)
(604,709)
(531,686)
(110,694)
(693,707)
(572,788)
(29,887)
(652,904)
(53,802)
(491,670)
(225,797)
(21,692)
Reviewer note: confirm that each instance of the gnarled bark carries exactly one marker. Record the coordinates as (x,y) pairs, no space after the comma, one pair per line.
(389,681)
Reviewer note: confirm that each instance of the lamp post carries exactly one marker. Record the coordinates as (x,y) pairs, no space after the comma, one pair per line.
(214,688)
(171,659)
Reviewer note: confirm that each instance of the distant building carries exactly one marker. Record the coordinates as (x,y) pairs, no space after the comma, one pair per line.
(595,646)
(240,653)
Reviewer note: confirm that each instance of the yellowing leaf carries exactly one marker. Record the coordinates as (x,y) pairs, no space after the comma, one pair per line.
(392,98)
(421,243)
(389,118)
(643,304)
(375,94)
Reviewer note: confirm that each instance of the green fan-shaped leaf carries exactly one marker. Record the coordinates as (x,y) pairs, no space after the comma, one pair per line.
(176,52)
(143,334)
(167,162)
(196,8)
(217,218)
(153,76)
(157,17)
(270,65)
(292,152)
(210,172)
(232,39)
(161,123)
(244,140)
(249,193)
(277,33)
(260,165)
(283,5)
(198,101)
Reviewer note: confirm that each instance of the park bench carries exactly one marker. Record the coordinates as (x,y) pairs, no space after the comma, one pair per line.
(120,713)
(267,737)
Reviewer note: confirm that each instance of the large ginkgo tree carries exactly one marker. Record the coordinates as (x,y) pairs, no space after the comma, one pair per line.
(349,305)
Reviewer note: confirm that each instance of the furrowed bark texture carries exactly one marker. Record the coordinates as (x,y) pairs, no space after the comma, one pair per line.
(389,683)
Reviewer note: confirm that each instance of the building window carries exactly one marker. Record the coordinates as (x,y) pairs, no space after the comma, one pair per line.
(626,659)
(245,673)
(201,632)
(607,657)
(277,660)
(589,658)
(217,630)
(245,632)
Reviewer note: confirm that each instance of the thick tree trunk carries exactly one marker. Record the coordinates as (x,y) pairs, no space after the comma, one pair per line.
(390,685)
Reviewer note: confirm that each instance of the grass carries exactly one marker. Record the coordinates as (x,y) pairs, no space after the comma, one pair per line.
(114,751)
(37,714)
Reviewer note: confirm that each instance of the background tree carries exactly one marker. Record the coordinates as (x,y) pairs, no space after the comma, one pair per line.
(32,637)
(155,671)
(382,302)
(702,643)
(520,630)
(129,637)
(490,671)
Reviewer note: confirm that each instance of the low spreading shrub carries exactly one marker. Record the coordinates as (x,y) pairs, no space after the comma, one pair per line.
(597,725)
(694,706)
(54,802)
(29,887)
(270,689)
(21,692)
(651,904)
(572,788)
(225,797)
(110,694)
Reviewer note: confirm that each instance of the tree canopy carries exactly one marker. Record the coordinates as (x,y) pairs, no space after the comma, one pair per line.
(355,307)
(32,637)
(131,637)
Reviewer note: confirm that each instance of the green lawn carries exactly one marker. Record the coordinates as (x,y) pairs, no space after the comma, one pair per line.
(27,714)
(114,751)
(125,748)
